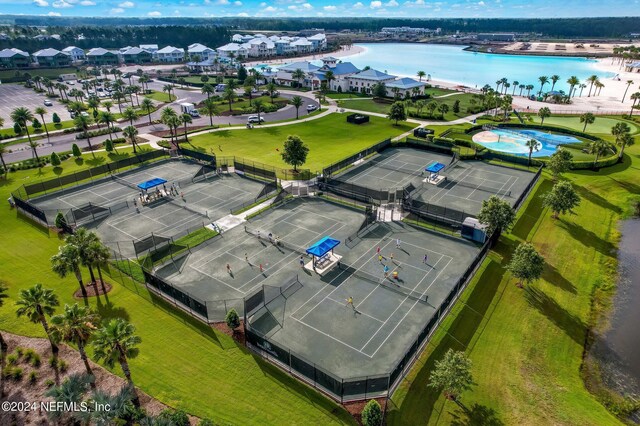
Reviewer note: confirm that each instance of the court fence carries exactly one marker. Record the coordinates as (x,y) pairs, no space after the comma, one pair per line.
(199,156)
(338,166)
(261,171)
(351,388)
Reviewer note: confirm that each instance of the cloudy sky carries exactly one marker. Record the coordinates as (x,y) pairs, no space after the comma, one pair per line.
(299,8)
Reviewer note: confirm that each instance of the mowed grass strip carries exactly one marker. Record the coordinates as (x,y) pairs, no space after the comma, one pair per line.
(182,362)
(329,139)
(526,344)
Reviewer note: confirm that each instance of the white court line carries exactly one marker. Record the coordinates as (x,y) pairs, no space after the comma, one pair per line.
(408,311)
(360,312)
(331,337)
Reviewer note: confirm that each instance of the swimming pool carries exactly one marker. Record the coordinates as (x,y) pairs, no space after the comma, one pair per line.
(514,140)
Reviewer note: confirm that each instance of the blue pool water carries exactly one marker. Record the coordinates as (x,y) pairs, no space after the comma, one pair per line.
(513,141)
(453,64)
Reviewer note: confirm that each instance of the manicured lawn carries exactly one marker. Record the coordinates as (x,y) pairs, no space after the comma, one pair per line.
(337,95)
(329,139)
(602,125)
(160,96)
(181,362)
(244,103)
(526,345)
(63,125)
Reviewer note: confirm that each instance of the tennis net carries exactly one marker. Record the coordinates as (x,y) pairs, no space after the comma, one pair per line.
(125,182)
(390,285)
(382,164)
(264,235)
(500,192)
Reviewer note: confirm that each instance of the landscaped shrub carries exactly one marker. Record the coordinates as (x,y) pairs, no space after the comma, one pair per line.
(372,414)
(60,221)
(36,124)
(55,159)
(55,118)
(49,383)
(12,359)
(94,133)
(76,150)
(17,129)
(33,378)
(176,418)
(232,319)
(17,374)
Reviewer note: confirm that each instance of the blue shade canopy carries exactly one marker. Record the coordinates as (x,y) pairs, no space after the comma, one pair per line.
(435,167)
(322,246)
(151,183)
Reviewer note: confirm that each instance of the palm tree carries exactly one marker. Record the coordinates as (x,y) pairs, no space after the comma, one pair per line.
(329,77)
(634,98)
(521,87)
(67,261)
(130,132)
(599,85)
(75,325)
(99,255)
(36,303)
(186,119)
(93,103)
(271,88)
(554,80)
(116,342)
(41,111)
(598,148)
(618,131)
(3,150)
(257,104)
(625,140)
(4,348)
(130,114)
(229,95)
(543,80)
(248,92)
(629,83)
(147,105)
(174,122)
(107,118)
(71,392)
(168,88)
(587,118)
(543,113)
(421,74)
(207,89)
(165,116)
(515,86)
(297,102)
(108,105)
(83,122)
(582,87)
(592,81)
(209,107)
(118,96)
(529,88)
(531,144)
(22,116)
(81,240)
(498,83)
(573,81)
(298,75)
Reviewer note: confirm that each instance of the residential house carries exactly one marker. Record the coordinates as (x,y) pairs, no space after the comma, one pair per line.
(341,73)
(260,47)
(14,58)
(632,67)
(201,51)
(406,87)
(318,42)
(76,54)
(232,50)
(136,55)
(170,54)
(283,47)
(284,75)
(52,58)
(364,81)
(99,56)
(302,45)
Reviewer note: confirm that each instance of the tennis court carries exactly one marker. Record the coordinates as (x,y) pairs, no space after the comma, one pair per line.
(110,209)
(308,313)
(467,183)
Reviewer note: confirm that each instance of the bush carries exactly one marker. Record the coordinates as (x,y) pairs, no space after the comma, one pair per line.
(108,145)
(36,124)
(33,378)
(20,351)
(232,319)
(175,418)
(62,365)
(56,118)
(12,359)
(53,362)
(76,150)
(17,374)
(372,414)
(55,159)
(17,129)
(49,383)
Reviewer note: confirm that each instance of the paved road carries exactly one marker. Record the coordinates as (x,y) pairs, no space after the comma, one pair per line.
(63,142)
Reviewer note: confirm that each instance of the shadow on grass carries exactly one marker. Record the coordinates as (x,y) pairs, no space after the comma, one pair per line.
(532,214)
(477,415)
(109,310)
(553,276)
(631,187)
(34,224)
(587,238)
(567,322)
(419,400)
(596,199)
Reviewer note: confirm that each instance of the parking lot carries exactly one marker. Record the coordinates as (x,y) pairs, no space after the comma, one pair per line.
(15,95)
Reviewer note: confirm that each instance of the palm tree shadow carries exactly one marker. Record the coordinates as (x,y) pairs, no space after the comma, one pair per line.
(567,322)
(109,310)
(553,276)
(596,199)
(477,415)
(588,238)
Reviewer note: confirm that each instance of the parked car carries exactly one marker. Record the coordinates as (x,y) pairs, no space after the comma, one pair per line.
(421,132)
(71,83)
(255,119)
(312,107)
(275,94)
(48,103)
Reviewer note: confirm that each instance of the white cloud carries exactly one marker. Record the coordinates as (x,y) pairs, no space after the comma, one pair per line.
(307,6)
(126,4)
(154,14)
(61,4)
(391,3)
(116,10)
(480,3)
(41,3)
(358,5)
(87,3)
(292,7)
(330,8)
(243,14)
(269,9)
(237,3)
(223,2)
(375,4)
(53,14)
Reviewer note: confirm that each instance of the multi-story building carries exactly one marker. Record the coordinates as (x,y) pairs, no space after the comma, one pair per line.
(136,55)
(364,81)
(170,54)
(318,42)
(284,75)
(232,50)
(341,72)
(405,87)
(14,58)
(99,56)
(52,58)
(302,45)
(76,54)
(201,51)
(260,47)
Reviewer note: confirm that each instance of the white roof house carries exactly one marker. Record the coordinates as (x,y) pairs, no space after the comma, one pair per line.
(364,81)
(405,86)
(170,54)
(76,53)
(318,41)
(48,53)
(232,49)
(205,53)
(149,47)
(302,45)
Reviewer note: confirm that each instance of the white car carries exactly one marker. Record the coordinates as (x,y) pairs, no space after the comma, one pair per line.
(255,119)
(312,107)
(48,103)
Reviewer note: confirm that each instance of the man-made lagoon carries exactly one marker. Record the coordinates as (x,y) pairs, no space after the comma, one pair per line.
(514,141)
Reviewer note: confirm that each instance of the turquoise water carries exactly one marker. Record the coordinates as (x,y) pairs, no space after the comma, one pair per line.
(453,64)
(514,141)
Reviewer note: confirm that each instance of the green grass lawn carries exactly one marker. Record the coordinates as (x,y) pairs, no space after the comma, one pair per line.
(526,344)
(329,139)
(371,105)
(349,95)
(602,125)
(182,362)
(160,96)
(244,103)
(63,125)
